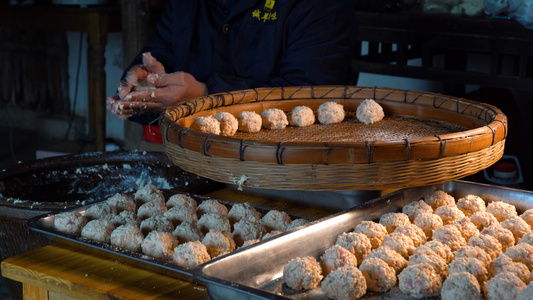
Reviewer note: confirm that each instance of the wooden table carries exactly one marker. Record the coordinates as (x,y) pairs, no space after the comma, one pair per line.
(61,271)
(97,21)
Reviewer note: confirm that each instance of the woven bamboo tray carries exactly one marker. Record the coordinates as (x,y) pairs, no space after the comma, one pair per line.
(308,163)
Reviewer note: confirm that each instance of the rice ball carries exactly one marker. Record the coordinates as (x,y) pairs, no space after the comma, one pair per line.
(449,213)
(249,121)
(228,123)
(488,243)
(379,276)
(369,112)
(461,285)
(470,204)
(275,220)
(503,235)
(439,198)
(392,258)
(483,219)
(419,281)
(501,210)
(374,231)
(355,242)
(336,257)
(414,208)
(274,118)
(187,232)
(504,263)
(98,230)
(190,254)
(471,265)
(206,124)
(302,273)
(451,236)
(71,222)
(330,113)
(393,220)
(428,223)
(344,283)
(159,245)
(517,226)
(218,243)
(503,286)
(302,116)
(127,237)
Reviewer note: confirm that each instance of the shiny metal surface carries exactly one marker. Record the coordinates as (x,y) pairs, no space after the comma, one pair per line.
(256,272)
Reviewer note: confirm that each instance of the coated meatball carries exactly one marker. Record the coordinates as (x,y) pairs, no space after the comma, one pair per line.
(210,221)
(501,210)
(400,243)
(461,285)
(451,236)
(181,213)
(526,239)
(302,273)
(379,276)
(483,219)
(474,252)
(393,220)
(521,253)
(420,281)
(148,193)
(392,258)
(428,223)
(470,204)
(297,223)
(488,243)
(504,263)
(241,211)
(449,213)
(503,235)
(525,293)
(122,202)
(249,121)
(181,199)
(218,243)
(187,232)
(271,234)
(190,254)
(302,116)
(228,123)
(245,230)
(369,112)
(127,237)
(98,230)
(439,198)
(414,232)
(517,226)
(466,227)
(157,223)
(412,209)
(528,216)
(150,209)
(102,210)
(330,113)
(207,124)
(159,245)
(336,257)
(431,258)
(503,286)
(213,207)
(344,283)
(71,222)
(441,249)
(276,220)
(274,118)
(374,231)
(125,217)
(355,242)
(471,265)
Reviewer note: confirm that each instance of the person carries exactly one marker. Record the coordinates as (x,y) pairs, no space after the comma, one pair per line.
(202,47)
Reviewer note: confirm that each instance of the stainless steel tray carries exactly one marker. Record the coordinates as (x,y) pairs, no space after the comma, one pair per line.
(45,224)
(256,272)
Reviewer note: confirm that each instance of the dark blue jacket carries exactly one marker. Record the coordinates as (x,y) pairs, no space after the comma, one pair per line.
(293,43)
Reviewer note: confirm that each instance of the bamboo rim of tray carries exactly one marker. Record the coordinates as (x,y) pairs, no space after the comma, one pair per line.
(325,166)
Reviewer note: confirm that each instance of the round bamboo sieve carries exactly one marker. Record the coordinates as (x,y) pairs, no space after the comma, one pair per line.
(327,157)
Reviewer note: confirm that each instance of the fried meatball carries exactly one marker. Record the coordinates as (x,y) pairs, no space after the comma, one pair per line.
(241,211)
(102,210)
(466,227)
(249,121)
(412,209)
(213,207)
(150,209)
(449,213)
(148,193)
(474,252)
(374,231)
(521,253)
(159,245)
(470,204)
(187,232)
(471,265)
(400,243)
(439,198)
(441,249)
(419,281)
(503,235)
(451,236)
(344,283)
(392,258)
(124,217)
(504,263)
(302,116)
(127,237)
(501,210)
(528,216)
(228,123)
(414,232)
(275,220)
(428,223)
(336,257)
(122,202)
(210,221)
(490,244)
(461,285)
(98,230)
(431,258)
(517,226)
(369,112)
(247,230)
(302,273)
(206,124)
(190,254)
(503,286)
(330,113)
(379,276)
(297,223)
(181,199)
(393,220)
(157,223)
(274,118)
(218,242)
(71,222)
(483,219)
(355,242)
(181,213)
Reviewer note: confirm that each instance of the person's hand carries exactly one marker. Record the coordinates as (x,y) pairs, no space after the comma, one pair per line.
(147,88)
